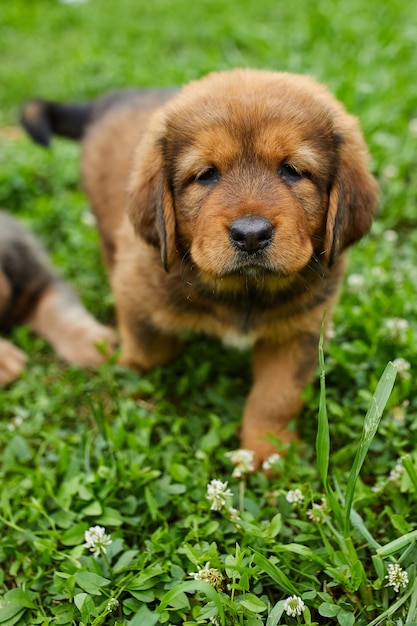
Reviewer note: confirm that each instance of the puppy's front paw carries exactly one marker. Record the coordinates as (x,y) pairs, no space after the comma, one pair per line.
(12,362)
(264,449)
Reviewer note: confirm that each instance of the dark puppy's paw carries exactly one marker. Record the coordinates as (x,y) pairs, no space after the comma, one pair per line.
(12,362)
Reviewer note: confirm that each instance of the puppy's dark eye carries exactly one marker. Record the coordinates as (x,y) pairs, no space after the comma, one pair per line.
(289,174)
(209,177)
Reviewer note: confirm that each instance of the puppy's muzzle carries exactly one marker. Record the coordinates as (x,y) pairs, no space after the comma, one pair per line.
(251,234)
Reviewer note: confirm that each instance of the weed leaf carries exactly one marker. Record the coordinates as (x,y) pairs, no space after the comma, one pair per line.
(191,587)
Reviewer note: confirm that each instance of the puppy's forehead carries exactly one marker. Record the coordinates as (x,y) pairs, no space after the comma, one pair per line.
(247,136)
(230,113)
(220,146)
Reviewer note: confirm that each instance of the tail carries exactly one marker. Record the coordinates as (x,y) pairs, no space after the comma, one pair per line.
(41,119)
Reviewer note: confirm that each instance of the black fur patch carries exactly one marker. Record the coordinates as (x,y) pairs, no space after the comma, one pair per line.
(26,268)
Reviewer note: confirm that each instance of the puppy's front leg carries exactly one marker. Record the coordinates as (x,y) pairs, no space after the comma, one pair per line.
(137,282)
(281,371)
(143,345)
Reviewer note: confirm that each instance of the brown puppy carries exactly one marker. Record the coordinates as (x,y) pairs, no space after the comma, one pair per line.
(31,292)
(226,211)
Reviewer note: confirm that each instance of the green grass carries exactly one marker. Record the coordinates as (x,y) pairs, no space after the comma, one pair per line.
(134,454)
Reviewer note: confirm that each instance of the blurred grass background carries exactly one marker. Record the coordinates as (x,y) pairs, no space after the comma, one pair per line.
(365,52)
(61,422)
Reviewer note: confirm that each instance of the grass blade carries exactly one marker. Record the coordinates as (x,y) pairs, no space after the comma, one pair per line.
(359,524)
(274,572)
(397,544)
(371,423)
(409,468)
(323,436)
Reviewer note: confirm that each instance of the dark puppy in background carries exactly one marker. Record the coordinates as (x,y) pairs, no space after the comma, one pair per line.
(32,293)
(224,209)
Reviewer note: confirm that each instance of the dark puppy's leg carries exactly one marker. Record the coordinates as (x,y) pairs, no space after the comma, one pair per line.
(12,360)
(31,292)
(75,335)
(280,375)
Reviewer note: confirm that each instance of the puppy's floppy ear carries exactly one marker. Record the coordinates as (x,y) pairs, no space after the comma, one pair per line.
(151,203)
(353,195)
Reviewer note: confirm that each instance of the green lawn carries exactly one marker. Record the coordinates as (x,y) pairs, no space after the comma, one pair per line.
(135,454)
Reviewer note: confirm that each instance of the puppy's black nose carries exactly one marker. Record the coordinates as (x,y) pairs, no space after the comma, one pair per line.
(251,234)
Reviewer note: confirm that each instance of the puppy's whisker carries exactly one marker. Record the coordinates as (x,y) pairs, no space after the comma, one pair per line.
(315,258)
(314,270)
(186,268)
(318,238)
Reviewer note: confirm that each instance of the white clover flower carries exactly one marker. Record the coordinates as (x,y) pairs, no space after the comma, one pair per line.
(294,496)
(397,327)
(88,218)
(355,282)
(214,620)
(112,605)
(210,575)
(243,460)
(399,412)
(378,486)
(397,577)
(294,606)
(391,235)
(234,514)
(217,494)
(96,540)
(15,423)
(412,127)
(403,366)
(396,473)
(271,462)
(316,513)
(390,171)
(378,273)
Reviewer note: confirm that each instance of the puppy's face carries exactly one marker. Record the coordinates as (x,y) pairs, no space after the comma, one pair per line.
(254,174)
(249,193)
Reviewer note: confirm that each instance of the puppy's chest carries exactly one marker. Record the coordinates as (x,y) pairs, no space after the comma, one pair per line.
(235,326)
(238,319)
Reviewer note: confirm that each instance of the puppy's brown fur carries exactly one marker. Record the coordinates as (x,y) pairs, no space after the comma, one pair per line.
(32,293)
(226,211)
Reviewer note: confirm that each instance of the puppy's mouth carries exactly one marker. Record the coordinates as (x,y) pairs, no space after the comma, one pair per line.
(252,265)
(248,273)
